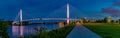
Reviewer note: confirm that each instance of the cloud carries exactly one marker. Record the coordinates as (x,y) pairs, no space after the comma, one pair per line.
(112,11)
(117,3)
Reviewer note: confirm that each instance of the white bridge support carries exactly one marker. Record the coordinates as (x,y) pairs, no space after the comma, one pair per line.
(68,14)
(21,27)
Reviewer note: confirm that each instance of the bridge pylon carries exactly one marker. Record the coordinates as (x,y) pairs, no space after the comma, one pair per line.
(68,14)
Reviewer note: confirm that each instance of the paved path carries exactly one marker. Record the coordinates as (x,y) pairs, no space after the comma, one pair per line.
(79,31)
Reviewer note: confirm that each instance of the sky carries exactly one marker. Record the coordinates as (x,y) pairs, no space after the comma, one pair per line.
(57,8)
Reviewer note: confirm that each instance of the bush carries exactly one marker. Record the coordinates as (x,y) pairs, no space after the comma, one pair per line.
(3,29)
(59,33)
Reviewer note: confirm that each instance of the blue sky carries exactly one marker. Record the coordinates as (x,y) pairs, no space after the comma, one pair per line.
(54,8)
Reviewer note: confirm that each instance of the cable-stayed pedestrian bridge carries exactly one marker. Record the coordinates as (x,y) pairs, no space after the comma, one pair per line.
(20,17)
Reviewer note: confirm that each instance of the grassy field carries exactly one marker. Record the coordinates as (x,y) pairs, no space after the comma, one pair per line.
(105,30)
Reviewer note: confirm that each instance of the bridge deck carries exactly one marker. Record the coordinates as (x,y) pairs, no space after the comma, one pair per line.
(80,31)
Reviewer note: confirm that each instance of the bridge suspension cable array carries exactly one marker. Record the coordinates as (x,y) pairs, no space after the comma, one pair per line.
(68,19)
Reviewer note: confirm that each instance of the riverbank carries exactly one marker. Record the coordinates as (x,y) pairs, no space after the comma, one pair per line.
(58,33)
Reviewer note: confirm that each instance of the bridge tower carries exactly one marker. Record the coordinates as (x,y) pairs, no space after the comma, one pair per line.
(68,14)
(21,27)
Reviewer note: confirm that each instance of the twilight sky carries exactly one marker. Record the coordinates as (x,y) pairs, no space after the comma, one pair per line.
(57,8)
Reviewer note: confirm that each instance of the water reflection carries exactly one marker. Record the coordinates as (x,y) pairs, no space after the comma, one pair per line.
(14,31)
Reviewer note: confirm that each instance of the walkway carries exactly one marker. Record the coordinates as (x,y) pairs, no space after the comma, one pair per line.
(80,31)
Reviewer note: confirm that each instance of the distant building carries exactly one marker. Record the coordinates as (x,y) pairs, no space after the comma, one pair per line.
(109,19)
(61,24)
(79,22)
(84,20)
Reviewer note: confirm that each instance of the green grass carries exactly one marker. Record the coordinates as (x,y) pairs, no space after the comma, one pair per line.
(59,33)
(105,30)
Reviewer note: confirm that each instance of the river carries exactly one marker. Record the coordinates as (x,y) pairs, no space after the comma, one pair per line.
(14,31)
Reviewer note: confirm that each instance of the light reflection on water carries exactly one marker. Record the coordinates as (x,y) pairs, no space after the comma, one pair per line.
(14,31)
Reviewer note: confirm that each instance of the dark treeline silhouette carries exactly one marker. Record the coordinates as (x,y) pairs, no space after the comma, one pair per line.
(3,29)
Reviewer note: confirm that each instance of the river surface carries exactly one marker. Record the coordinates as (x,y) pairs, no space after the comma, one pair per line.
(14,31)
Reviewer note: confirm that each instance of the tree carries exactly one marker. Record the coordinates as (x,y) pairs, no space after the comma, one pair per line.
(3,29)
(104,20)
